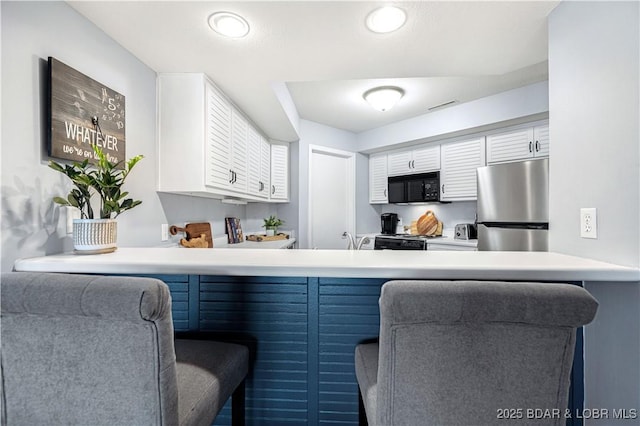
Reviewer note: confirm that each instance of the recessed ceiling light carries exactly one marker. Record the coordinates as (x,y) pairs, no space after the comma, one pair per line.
(383,98)
(386,19)
(229,24)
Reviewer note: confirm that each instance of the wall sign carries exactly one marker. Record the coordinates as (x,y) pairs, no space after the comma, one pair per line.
(83,112)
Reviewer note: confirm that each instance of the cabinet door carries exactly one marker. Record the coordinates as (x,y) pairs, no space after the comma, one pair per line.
(378,179)
(510,146)
(426,159)
(458,169)
(541,140)
(399,163)
(254,161)
(239,129)
(265,168)
(279,172)
(218,143)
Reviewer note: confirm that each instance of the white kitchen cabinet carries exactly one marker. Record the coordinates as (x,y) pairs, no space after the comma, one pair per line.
(238,163)
(420,160)
(218,139)
(207,147)
(459,161)
(258,164)
(520,144)
(279,172)
(378,179)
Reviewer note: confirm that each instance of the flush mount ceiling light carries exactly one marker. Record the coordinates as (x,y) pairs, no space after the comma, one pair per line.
(229,24)
(386,19)
(383,98)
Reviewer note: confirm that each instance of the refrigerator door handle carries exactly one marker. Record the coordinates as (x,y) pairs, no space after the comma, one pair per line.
(512,225)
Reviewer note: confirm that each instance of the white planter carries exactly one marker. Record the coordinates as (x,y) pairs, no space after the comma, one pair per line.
(271,232)
(95,236)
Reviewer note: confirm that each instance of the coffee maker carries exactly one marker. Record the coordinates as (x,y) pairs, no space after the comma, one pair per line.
(389,223)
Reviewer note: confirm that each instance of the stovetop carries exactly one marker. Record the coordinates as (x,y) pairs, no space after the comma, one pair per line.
(408,236)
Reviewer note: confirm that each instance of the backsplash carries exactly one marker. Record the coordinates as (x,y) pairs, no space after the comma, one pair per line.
(450,214)
(181,209)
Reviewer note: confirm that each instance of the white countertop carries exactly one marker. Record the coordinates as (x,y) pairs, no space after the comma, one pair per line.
(337,263)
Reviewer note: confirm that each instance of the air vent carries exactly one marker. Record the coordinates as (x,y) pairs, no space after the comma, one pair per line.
(443,105)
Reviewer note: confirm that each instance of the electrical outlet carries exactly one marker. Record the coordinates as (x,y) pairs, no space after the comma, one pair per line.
(588,223)
(72,213)
(164,228)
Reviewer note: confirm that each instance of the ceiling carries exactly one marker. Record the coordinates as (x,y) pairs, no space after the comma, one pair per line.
(446,51)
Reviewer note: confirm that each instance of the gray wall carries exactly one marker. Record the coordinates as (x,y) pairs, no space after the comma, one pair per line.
(312,133)
(30,223)
(524,104)
(594,162)
(32,31)
(593,114)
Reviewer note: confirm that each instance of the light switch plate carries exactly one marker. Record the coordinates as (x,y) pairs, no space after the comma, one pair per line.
(588,223)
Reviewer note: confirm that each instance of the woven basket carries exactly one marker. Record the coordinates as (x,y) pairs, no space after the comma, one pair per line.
(94,236)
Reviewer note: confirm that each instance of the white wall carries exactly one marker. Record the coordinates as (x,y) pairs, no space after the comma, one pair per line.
(594,110)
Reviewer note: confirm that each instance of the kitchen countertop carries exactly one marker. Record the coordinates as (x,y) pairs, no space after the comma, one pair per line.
(337,263)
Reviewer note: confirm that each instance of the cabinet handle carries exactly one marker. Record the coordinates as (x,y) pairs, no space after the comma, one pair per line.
(409,164)
(385,192)
(230,176)
(235,177)
(273,189)
(261,187)
(537,146)
(443,188)
(413,164)
(530,146)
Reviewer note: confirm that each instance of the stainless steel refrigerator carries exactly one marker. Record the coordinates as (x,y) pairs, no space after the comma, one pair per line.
(513,206)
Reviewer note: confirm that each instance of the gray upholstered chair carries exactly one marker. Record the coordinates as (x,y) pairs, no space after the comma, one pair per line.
(458,352)
(92,350)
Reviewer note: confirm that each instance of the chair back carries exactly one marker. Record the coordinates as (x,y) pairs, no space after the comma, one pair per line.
(463,352)
(89,350)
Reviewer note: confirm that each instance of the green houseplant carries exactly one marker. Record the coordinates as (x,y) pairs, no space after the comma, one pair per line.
(97,234)
(271,224)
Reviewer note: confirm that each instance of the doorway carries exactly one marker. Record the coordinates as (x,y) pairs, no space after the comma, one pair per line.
(332,211)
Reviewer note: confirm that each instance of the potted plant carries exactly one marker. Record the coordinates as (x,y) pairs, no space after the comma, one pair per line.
(271,224)
(96,234)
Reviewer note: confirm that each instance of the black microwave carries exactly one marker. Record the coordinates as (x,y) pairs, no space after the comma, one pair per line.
(417,188)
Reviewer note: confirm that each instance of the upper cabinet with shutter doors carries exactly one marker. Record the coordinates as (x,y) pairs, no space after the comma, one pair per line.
(378,179)
(258,164)
(279,172)
(207,147)
(458,169)
(420,160)
(520,144)
(238,163)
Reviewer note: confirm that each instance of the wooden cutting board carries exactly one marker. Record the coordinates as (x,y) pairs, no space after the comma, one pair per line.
(194,230)
(427,224)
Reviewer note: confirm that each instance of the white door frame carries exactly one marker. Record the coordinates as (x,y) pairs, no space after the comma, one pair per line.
(351,188)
